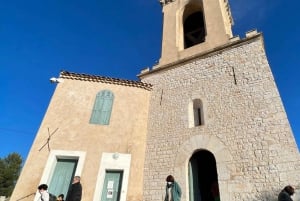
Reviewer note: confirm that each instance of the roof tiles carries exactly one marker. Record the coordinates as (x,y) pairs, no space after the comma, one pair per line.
(108,80)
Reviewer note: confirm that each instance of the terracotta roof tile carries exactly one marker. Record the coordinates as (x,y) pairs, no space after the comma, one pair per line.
(108,80)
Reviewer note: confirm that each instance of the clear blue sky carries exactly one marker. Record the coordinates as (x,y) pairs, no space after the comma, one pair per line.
(115,39)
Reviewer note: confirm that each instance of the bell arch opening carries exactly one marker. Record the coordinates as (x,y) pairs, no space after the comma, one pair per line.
(203,177)
(194,31)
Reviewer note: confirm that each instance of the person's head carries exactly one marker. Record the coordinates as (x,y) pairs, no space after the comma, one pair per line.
(42,187)
(289,189)
(170,178)
(76,179)
(60,197)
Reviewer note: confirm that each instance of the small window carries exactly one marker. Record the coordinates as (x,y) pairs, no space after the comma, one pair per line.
(102,108)
(198,112)
(196,115)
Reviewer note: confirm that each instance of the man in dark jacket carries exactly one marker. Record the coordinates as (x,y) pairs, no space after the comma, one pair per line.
(75,191)
(286,193)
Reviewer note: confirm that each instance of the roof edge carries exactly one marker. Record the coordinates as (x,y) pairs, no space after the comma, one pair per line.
(108,80)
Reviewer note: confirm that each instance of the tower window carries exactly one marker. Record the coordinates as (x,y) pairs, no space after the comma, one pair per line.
(194,29)
(102,108)
(198,112)
(196,115)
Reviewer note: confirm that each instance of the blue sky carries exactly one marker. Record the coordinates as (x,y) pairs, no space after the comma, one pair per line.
(115,39)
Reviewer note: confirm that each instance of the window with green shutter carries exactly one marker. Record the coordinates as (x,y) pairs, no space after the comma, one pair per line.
(102,108)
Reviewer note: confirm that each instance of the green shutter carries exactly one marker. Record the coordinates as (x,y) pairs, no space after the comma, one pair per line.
(102,108)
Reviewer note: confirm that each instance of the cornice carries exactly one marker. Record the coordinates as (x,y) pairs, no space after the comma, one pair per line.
(251,36)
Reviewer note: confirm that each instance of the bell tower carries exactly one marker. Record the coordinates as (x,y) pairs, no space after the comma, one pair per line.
(193,26)
(216,121)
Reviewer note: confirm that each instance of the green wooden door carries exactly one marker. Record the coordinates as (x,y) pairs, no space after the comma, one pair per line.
(62,176)
(112,186)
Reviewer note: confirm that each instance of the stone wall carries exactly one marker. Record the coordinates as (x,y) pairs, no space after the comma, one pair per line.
(246,127)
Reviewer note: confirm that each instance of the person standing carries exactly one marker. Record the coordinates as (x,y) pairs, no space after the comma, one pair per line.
(173,190)
(44,193)
(286,193)
(75,191)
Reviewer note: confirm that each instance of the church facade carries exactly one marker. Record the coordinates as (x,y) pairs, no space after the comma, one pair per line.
(209,113)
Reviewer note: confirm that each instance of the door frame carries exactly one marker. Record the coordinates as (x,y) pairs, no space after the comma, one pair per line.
(51,163)
(113,161)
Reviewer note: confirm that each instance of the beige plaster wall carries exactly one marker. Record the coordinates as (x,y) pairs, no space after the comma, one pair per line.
(69,111)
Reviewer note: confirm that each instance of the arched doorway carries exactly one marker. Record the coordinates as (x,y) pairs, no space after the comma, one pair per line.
(203,177)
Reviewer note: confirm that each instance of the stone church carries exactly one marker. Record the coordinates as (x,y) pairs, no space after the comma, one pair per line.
(209,113)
